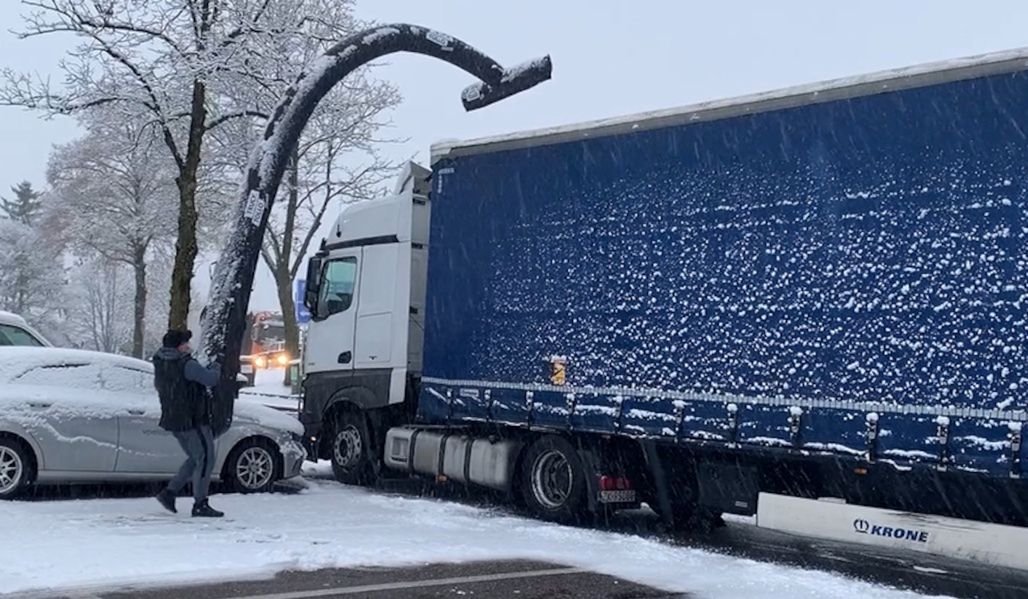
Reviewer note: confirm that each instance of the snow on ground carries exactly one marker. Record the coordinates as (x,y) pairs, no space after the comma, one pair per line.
(102,543)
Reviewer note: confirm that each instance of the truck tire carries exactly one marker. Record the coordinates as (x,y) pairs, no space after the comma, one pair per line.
(553,480)
(350,445)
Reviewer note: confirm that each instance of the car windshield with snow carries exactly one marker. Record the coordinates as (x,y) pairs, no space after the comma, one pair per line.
(76,416)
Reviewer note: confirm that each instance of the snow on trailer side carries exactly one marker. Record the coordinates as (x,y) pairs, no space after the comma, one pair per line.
(811,257)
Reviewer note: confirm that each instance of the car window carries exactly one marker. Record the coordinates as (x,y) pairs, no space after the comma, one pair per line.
(12,335)
(127,380)
(79,376)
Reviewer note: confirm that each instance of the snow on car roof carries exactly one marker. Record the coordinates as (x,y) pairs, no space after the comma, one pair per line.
(15,361)
(11,318)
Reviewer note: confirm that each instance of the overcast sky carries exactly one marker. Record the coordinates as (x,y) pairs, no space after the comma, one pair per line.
(610,58)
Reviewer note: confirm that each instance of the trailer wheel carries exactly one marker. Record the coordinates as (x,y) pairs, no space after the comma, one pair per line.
(351,444)
(553,480)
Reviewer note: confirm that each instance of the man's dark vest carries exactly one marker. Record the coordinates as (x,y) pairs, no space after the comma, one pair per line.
(183,402)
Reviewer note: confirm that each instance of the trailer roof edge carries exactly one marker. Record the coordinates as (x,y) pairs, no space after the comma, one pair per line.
(923,75)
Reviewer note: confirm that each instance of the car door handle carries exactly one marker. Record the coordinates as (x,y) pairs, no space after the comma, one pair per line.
(137,412)
(345,357)
(39,405)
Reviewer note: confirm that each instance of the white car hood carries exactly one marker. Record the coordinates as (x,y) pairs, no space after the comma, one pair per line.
(268,417)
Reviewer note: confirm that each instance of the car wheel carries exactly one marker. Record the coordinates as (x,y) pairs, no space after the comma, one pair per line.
(15,469)
(350,446)
(252,467)
(553,480)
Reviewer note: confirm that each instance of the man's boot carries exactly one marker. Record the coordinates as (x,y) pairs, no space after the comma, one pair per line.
(167,499)
(202,509)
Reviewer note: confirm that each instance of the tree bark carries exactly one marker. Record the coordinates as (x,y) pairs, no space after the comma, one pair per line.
(186,246)
(285,300)
(282,277)
(139,315)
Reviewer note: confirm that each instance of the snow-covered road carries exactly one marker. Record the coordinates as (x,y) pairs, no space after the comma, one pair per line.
(108,542)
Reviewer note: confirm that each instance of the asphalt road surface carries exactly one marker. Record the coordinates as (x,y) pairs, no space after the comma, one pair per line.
(482,580)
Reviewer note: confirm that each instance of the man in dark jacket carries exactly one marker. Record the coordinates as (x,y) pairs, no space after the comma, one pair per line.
(182,385)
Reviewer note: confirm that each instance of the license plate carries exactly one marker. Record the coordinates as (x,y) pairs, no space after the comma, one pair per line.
(617,496)
(246,369)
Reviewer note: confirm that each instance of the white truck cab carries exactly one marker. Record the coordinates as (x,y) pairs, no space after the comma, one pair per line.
(366,294)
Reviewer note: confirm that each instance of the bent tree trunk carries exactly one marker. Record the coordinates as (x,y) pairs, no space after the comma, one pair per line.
(223,320)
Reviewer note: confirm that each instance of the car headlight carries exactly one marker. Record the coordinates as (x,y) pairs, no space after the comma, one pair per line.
(298,441)
(260,362)
(283,360)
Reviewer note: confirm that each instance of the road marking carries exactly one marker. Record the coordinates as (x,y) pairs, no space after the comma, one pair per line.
(414,584)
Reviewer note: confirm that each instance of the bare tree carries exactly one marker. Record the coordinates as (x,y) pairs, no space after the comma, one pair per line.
(99,297)
(178,62)
(115,193)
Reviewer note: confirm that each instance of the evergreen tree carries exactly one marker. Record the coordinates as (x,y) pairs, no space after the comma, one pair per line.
(25,205)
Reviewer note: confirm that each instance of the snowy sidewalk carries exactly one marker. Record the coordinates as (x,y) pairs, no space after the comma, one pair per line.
(268,390)
(106,543)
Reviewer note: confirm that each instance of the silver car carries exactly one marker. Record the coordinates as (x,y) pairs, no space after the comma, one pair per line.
(69,416)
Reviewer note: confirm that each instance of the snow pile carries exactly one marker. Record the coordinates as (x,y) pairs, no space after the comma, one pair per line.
(269,391)
(117,542)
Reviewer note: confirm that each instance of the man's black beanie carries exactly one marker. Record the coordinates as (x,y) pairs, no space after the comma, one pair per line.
(174,338)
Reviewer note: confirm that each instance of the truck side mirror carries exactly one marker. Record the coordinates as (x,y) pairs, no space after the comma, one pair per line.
(310,294)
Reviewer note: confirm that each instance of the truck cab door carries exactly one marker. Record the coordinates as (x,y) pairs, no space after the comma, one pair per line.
(330,336)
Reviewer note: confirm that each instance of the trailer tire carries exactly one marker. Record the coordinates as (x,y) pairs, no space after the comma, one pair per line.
(553,480)
(350,447)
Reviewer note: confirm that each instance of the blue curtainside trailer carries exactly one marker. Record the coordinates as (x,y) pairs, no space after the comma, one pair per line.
(820,292)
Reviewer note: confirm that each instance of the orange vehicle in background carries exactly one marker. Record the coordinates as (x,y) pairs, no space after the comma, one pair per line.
(263,344)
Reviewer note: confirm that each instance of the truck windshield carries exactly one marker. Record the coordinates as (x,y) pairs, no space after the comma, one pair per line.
(12,335)
(337,286)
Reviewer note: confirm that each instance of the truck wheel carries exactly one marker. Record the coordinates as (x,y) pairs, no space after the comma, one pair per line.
(15,469)
(351,445)
(553,480)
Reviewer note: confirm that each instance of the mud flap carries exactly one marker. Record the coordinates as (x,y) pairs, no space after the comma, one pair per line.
(591,465)
(661,487)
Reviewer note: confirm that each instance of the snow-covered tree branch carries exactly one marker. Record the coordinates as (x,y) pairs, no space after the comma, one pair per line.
(182,63)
